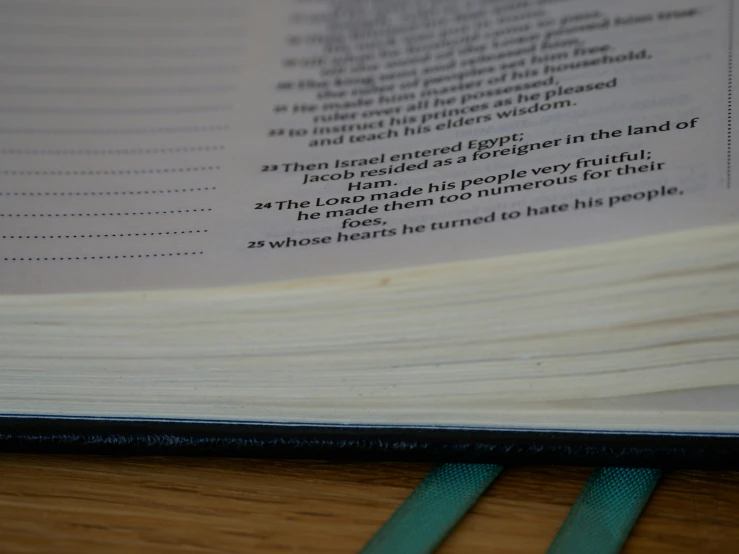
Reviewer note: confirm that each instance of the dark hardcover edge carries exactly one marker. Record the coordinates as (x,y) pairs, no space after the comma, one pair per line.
(505,446)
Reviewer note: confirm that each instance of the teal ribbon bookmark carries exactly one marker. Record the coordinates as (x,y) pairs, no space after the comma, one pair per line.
(606,510)
(431,511)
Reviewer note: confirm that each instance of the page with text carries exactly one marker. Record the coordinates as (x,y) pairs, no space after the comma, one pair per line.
(150,144)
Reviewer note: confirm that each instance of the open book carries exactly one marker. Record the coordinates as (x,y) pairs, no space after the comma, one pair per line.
(488,218)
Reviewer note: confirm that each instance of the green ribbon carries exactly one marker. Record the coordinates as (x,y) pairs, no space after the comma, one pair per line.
(599,522)
(433,509)
(606,510)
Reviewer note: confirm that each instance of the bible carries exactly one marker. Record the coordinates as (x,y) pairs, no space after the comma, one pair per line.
(481,230)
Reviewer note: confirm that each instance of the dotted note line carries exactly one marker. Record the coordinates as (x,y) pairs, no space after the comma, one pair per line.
(119,71)
(101,51)
(730,94)
(118,257)
(170,12)
(157,110)
(128,31)
(107,193)
(22,172)
(118,91)
(163,212)
(105,236)
(108,152)
(114,130)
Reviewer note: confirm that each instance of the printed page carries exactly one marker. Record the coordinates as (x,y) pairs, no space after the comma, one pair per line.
(152,144)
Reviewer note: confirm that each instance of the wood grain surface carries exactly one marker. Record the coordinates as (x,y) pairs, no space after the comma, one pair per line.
(101,504)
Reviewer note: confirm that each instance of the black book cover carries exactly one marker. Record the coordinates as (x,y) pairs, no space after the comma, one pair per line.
(504,446)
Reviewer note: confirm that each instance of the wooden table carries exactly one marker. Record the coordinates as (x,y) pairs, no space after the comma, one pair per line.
(100,504)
